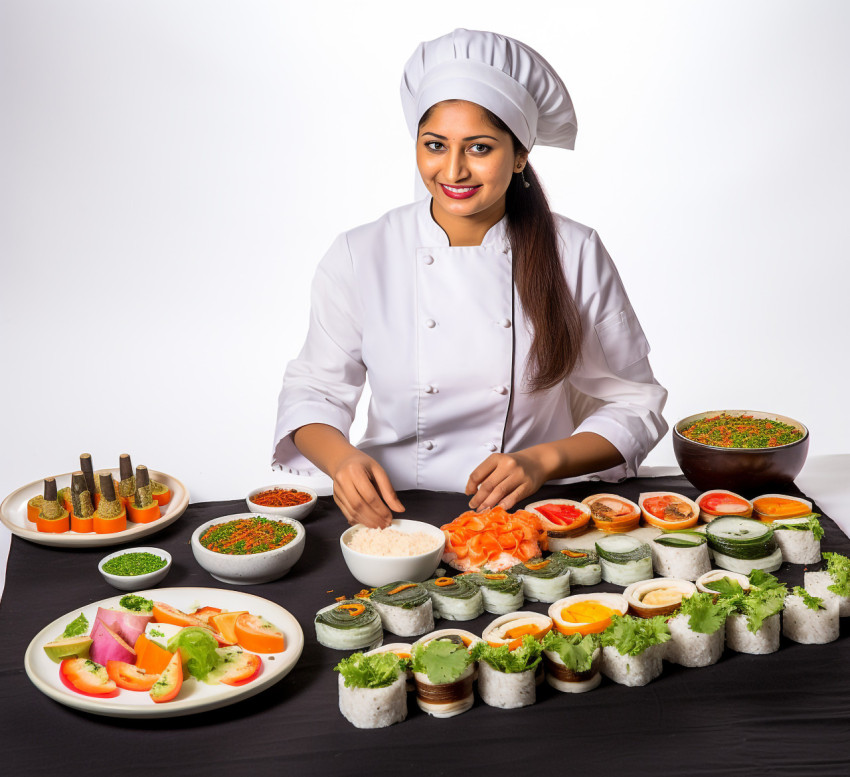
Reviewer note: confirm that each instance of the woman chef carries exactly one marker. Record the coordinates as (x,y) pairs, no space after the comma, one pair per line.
(500,346)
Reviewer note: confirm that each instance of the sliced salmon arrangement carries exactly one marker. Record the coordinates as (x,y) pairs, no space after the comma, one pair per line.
(495,539)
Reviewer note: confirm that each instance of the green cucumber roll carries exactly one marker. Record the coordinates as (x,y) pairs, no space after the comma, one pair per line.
(502,591)
(743,544)
(349,625)
(405,608)
(682,554)
(583,564)
(544,580)
(455,598)
(624,559)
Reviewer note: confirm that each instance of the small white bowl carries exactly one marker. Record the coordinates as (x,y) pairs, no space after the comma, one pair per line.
(252,568)
(296,511)
(136,582)
(380,570)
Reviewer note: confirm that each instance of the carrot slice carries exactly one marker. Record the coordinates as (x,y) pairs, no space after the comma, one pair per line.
(142,514)
(54,525)
(225,624)
(258,635)
(150,656)
(82,525)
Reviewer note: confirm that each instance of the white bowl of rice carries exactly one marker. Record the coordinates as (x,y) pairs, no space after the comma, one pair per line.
(405,550)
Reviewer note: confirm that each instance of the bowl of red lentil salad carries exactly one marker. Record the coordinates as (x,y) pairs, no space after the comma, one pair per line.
(282,500)
(740,450)
(246,549)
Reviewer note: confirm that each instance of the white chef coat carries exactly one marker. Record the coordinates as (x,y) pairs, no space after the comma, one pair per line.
(442,334)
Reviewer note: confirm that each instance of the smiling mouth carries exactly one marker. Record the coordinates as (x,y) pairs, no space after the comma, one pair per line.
(459,192)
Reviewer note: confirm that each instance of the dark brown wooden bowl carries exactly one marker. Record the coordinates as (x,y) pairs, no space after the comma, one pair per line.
(746,471)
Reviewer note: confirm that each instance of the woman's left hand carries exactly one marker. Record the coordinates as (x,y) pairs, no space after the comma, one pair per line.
(503,479)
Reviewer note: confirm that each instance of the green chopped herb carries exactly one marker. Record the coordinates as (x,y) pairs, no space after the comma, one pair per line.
(812,602)
(245,536)
(76,628)
(805,523)
(575,650)
(156,633)
(838,567)
(135,603)
(743,431)
(376,671)
(631,636)
(128,564)
(524,658)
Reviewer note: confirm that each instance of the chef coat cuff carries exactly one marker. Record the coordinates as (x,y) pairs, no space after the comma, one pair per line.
(285,455)
(623,440)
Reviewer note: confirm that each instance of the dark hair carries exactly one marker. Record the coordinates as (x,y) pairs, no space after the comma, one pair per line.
(539,275)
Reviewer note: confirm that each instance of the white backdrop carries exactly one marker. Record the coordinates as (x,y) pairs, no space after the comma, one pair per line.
(172,171)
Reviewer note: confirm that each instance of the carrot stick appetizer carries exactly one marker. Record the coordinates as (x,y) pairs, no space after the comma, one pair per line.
(52,517)
(110,515)
(141,507)
(82,510)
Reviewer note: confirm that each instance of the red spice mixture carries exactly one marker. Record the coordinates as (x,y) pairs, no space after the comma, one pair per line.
(281,497)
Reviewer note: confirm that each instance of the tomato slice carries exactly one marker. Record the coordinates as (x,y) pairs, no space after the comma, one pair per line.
(87,677)
(258,635)
(241,669)
(204,613)
(165,613)
(169,682)
(129,677)
(562,515)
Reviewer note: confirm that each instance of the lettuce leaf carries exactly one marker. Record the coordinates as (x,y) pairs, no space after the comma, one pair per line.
(705,615)
(764,581)
(76,628)
(197,648)
(726,586)
(811,524)
(575,650)
(521,659)
(838,567)
(812,602)
(376,671)
(761,604)
(441,660)
(632,636)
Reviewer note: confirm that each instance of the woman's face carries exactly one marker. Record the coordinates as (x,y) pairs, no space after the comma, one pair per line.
(465,162)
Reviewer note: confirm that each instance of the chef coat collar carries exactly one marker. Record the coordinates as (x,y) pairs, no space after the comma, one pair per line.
(496,238)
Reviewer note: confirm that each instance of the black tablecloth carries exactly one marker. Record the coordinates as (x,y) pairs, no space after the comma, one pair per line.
(786,713)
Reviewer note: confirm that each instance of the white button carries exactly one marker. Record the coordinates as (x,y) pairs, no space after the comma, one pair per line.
(430,323)
(501,389)
(431,389)
(427,260)
(505,322)
(492,447)
(428,445)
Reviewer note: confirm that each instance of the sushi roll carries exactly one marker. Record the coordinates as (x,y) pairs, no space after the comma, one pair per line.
(832,583)
(404,651)
(563,520)
(455,598)
(583,564)
(510,629)
(697,632)
(507,678)
(572,662)
(668,511)
(771,507)
(405,608)
(680,554)
(710,581)
(741,639)
(799,538)
(588,613)
(351,624)
(372,690)
(719,504)
(501,591)
(658,596)
(743,544)
(633,649)
(624,559)
(443,673)
(544,579)
(809,619)
(612,513)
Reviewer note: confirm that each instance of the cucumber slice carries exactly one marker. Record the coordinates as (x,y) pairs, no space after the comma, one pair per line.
(621,549)
(740,538)
(681,539)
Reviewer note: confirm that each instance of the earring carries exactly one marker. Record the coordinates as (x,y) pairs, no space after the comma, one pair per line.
(525,184)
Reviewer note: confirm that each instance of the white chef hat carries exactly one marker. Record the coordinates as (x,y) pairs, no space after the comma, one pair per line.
(499,73)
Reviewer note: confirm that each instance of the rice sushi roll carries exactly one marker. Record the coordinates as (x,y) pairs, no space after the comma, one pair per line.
(405,608)
(624,559)
(711,583)
(658,596)
(583,565)
(588,613)
(743,544)
(443,672)
(404,650)
(832,583)
(372,690)
(680,554)
(544,579)
(511,629)
(753,625)
(809,619)
(740,638)
(633,649)
(351,624)
(668,511)
(697,632)
(612,513)
(501,591)
(719,504)
(771,507)
(563,519)
(455,598)
(572,662)
(507,677)
(799,538)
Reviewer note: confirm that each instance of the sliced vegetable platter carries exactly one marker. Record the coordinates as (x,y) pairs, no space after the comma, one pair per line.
(13,514)
(194,696)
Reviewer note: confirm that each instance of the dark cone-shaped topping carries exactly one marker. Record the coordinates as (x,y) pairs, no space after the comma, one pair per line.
(125,467)
(78,486)
(88,471)
(142,477)
(50,489)
(107,488)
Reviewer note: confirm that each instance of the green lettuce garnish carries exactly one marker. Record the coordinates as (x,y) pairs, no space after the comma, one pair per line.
(725,586)
(197,648)
(806,523)
(376,671)
(632,636)
(705,615)
(812,602)
(765,598)
(524,658)
(76,628)
(135,603)
(575,650)
(838,567)
(441,660)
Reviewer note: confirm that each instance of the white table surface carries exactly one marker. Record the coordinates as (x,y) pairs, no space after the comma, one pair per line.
(826,479)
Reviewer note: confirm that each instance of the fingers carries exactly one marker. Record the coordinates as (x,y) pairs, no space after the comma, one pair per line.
(358,498)
(479,474)
(386,489)
(505,482)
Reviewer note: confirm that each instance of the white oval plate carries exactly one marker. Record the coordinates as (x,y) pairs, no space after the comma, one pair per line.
(13,515)
(194,696)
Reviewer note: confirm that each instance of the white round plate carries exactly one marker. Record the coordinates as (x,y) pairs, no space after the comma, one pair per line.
(13,515)
(194,696)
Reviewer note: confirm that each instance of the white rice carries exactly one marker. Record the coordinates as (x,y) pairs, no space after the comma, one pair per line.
(692,648)
(406,622)
(817,584)
(632,670)
(391,542)
(585,681)
(742,640)
(374,707)
(798,547)
(684,563)
(506,690)
(810,627)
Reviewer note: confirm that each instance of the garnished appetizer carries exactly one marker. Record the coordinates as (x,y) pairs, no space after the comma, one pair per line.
(743,544)
(52,517)
(511,628)
(127,481)
(110,515)
(350,624)
(666,510)
(719,503)
(372,689)
(632,649)
(507,676)
(586,613)
(141,506)
(443,671)
(612,513)
(770,507)
(544,579)
(697,634)
(572,661)
(455,598)
(405,608)
(583,565)
(562,519)
(624,559)
(82,508)
(659,596)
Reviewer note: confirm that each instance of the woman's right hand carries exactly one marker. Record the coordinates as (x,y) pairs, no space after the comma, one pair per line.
(363,491)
